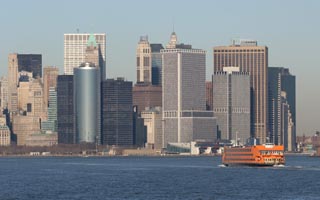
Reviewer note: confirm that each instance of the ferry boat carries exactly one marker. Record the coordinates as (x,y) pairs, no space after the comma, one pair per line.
(256,155)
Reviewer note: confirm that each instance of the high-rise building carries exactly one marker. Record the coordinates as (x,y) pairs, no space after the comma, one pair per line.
(183,99)
(117,112)
(231,104)
(282,107)
(149,62)
(251,58)
(75,50)
(17,63)
(65,110)
(50,75)
(51,123)
(156,64)
(87,106)
(35,106)
(4,93)
(146,95)
(209,95)
(144,74)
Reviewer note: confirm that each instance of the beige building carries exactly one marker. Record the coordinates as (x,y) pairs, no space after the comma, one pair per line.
(42,139)
(12,82)
(4,135)
(23,126)
(152,118)
(50,75)
(144,64)
(23,94)
(251,58)
(36,99)
(4,92)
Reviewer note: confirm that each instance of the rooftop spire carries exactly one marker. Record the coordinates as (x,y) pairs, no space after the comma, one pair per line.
(173,41)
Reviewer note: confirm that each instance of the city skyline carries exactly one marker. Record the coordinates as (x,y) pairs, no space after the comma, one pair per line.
(289,34)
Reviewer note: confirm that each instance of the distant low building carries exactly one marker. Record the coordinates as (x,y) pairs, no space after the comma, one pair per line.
(42,139)
(153,121)
(23,126)
(4,135)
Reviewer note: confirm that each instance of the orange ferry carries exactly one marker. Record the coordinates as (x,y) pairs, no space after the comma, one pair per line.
(257,155)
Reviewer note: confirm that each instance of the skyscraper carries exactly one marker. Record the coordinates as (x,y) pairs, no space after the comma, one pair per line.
(87,106)
(183,99)
(231,104)
(4,93)
(17,63)
(253,59)
(75,50)
(117,112)
(144,61)
(209,96)
(65,110)
(51,123)
(50,75)
(282,107)
(149,62)
(156,63)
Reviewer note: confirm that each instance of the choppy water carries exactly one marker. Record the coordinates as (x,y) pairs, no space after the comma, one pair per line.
(155,178)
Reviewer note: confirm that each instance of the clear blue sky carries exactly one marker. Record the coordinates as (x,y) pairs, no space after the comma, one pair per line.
(289,28)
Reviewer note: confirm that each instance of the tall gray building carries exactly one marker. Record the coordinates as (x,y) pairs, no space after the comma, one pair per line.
(282,107)
(184,100)
(87,103)
(231,103)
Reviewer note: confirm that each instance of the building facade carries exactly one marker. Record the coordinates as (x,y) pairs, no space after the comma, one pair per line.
(51,123)
(5,135)
(231,104)
(65,110)
(144,73)
(50,75)
(282,107)
(251,58)
(24,126)
(152,118)
(75,50)
(87,106)
(183,99)
(156,63)
(117,112)
(17,63)
(4,92)
(146,95)
(209,96)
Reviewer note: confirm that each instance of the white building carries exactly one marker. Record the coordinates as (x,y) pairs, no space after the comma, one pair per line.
(152,118)
(75,45)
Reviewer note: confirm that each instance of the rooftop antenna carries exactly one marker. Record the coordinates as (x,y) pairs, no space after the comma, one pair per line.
(172,24)
(77,30)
